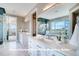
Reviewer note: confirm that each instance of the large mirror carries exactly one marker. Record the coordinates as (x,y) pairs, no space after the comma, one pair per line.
(43,26)
(55,22)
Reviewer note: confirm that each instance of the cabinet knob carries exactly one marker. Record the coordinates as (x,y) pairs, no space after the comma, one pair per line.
(53,54)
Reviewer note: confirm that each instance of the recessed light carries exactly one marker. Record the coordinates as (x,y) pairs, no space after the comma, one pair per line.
(25,20)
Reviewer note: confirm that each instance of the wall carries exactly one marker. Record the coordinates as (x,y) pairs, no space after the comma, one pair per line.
(21,24)
(38,8)
(28,23)
(73,9)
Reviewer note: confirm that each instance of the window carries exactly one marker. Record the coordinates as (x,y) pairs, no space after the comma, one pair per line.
(60,27)
(59,24)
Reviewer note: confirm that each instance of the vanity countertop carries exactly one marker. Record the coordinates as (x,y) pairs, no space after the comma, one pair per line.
(63,48)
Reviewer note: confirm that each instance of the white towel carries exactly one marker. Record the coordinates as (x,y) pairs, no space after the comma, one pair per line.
(75,37)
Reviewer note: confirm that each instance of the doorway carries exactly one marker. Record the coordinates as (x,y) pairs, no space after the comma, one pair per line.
(75,17)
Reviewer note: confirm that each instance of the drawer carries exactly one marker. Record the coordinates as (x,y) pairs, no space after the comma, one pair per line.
(33,53)
(38,53)
(54,53)
(43,53)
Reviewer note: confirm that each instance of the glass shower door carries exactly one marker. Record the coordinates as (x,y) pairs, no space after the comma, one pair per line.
(5,28)
(1,29)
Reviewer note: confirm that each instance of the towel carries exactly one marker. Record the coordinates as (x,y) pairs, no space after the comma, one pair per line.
(75,37)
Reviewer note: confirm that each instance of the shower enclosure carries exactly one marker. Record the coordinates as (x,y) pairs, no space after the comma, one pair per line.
(2,19)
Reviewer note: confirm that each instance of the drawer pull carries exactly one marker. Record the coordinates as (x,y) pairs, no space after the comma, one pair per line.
(38,46)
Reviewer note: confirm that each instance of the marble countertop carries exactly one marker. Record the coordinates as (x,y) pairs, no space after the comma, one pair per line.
(64,48)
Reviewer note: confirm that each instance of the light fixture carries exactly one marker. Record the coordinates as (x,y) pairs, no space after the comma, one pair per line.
(48,6)
(25,20)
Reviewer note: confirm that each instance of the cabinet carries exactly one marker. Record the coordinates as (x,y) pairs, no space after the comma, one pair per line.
(23,39)
(51,52)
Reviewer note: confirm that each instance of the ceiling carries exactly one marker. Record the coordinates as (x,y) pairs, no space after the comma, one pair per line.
(58,10)
(18,9)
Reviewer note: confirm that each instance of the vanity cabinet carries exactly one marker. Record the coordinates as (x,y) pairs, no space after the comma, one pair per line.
(51,52)
(23,39)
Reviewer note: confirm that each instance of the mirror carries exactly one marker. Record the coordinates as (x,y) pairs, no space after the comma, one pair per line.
(43,26)
(55,22)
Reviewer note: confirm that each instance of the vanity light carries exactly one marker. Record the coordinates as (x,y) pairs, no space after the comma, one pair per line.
(48,6)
